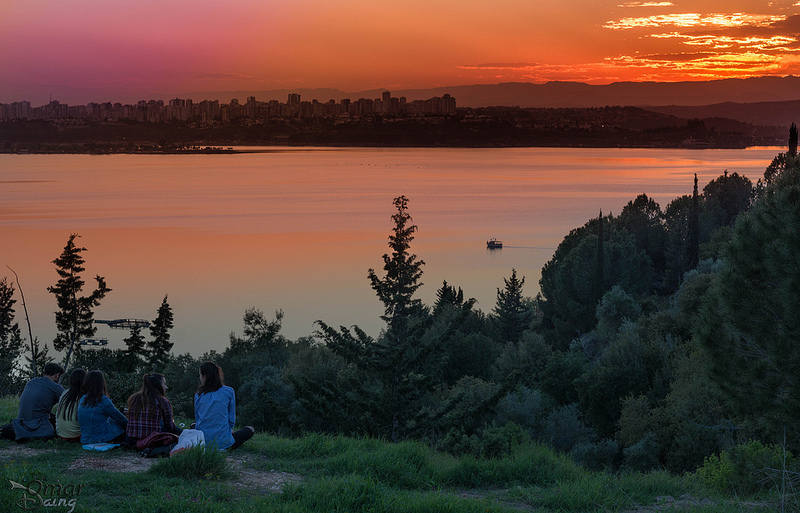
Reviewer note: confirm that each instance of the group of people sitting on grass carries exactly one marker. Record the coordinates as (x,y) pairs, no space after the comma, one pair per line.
(84,413)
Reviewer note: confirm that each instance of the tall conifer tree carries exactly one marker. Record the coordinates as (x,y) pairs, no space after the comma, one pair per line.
(512,314)
(599,263)
(160,346)
(75,315)
(694,229)
(392,366)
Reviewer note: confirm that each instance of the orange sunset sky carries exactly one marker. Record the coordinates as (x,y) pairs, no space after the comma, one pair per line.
(99,50)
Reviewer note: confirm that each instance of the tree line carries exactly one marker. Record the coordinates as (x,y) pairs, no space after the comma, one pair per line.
(660,337)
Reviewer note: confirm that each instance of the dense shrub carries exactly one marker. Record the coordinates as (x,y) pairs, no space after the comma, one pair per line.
(746,468)
(641,456)
(564,428)
(603,455)
(524,407)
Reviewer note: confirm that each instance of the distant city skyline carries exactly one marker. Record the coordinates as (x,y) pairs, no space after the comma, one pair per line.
(213,111)
(94,50)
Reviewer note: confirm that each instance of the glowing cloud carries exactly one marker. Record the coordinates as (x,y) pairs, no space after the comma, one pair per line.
(764,44)
(738,64)
(647,4)
(696,20)
(501,66)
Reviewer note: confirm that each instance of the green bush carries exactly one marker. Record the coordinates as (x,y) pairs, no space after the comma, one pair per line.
(564,428)
(747,468)
(458,443)
(490,442)
(600,456)
(524,407)
(641,456)
(499,441)
(121,385)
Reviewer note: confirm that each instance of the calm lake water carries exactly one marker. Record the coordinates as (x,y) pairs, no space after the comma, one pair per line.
(297,229)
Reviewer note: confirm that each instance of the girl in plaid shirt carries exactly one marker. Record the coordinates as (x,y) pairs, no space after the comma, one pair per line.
(149,411)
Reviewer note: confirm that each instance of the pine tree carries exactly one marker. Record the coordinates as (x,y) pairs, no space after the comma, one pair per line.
(448,295)
(512,315)
(643,218)
(134,353)
(392,381)
(403,272)
(401,353)
(75,315)
(158,349)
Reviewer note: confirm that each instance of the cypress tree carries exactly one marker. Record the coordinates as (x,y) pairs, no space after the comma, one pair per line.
(694,229)
(598,285)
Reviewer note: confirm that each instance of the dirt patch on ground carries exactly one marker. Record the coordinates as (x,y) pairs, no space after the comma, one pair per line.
(262,481)
(118,460)
(15,450)
(243,476)
(662,504)
(669,503)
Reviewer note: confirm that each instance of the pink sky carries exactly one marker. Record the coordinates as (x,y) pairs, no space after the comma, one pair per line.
(101,50)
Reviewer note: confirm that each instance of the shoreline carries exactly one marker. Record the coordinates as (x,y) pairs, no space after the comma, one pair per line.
(70,149)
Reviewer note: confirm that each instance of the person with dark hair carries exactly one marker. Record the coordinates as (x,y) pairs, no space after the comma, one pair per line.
(67,425)
(149,410)
(215,410)
(35,418)
(99,419)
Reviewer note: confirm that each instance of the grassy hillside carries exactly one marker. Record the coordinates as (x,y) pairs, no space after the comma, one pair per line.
(324,473)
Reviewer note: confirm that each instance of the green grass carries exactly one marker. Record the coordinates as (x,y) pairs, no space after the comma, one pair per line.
(8,409)
(194,463)
(341,474)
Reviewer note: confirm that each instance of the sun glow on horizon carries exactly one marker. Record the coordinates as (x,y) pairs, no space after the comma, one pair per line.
(83,55)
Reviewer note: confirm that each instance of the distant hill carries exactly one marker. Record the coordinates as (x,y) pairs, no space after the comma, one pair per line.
(565,94)
(575,94)
(761,113)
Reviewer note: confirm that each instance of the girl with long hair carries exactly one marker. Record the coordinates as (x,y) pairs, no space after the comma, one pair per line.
(100,420)
(215,410)
(149,410)
(67,425)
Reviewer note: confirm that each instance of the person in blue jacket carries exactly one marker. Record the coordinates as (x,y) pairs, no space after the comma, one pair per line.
(35,419)
(215,410)
(99,419)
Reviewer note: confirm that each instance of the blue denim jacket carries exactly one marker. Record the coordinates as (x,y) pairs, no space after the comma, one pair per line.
(215,415)
(100,423)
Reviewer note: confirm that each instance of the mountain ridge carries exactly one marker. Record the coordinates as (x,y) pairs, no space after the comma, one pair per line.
(557,94)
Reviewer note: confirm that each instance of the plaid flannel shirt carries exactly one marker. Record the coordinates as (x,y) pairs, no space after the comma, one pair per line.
(150,419)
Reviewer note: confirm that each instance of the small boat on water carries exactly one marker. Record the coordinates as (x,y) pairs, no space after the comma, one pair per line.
(494,244)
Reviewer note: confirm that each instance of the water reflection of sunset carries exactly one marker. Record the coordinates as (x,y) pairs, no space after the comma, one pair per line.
(298,230)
